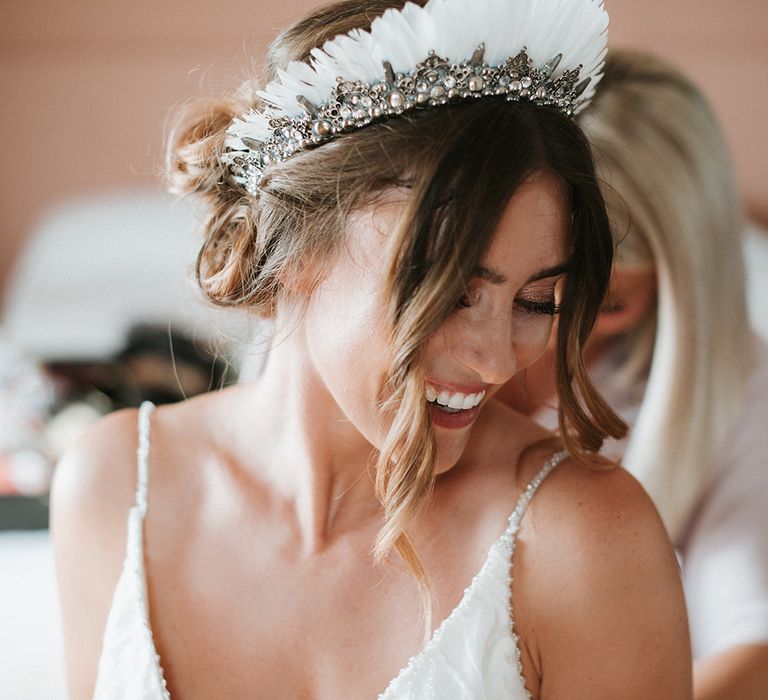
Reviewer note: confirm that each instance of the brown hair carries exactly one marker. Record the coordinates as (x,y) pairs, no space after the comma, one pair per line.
(462,163)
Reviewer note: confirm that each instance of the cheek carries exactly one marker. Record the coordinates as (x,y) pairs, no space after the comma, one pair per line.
(346,340)
(531,336)
(469,341)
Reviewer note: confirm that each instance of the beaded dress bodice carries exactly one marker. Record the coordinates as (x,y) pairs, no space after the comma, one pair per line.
(473,654)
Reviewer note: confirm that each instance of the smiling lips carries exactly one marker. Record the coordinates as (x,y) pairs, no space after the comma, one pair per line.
(453,401)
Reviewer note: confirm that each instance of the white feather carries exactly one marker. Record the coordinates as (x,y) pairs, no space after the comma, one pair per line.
(451,28)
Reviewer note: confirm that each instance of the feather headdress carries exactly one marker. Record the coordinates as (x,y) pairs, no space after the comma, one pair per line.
(550,52)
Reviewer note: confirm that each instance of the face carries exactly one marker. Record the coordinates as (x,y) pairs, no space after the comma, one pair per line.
(501,326)
(631,298)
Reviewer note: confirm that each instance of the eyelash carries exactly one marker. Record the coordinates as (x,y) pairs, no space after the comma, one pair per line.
(546,308)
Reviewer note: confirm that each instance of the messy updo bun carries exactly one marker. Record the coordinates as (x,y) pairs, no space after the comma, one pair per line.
(248,243)
(461,164)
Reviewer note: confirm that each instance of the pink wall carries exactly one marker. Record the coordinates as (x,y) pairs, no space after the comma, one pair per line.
(86,85)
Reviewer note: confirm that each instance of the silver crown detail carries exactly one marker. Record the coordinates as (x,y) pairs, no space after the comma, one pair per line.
(433,83)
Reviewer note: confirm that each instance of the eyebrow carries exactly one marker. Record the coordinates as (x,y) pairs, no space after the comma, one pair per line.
(553,271)
(489,275)
(494,277)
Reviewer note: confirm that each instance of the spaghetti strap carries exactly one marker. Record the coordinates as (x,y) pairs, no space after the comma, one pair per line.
(142,456)
(527,494)
(129,665)
(485,616)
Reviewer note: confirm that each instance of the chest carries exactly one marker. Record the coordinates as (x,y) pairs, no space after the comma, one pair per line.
(233,622)
(238,610)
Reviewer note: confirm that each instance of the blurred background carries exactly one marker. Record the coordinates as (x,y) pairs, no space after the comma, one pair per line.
(96,308)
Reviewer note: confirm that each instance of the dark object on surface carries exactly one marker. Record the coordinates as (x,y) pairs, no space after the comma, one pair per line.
(23,513)
(153,366)
(165,368)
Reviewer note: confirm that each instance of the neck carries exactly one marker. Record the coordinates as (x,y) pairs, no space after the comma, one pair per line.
(309,453)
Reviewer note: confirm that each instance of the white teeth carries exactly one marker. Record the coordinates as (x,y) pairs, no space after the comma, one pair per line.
(456,401)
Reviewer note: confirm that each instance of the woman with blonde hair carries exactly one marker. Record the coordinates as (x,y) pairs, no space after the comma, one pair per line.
(411,202)
(673,352)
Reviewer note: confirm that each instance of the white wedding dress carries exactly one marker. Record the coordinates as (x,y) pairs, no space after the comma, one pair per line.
(473,655)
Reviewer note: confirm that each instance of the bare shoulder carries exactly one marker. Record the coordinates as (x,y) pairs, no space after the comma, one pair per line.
(599,603)
(93,490)
(95,483)
(598,501)
(98,474)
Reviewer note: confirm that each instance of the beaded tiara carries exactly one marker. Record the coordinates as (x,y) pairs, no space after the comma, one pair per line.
(549,52)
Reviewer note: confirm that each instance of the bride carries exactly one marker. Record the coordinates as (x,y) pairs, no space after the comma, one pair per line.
(348,524)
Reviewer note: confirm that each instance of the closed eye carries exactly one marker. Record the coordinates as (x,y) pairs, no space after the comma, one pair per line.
(530,303)
(540,298)
(548,307)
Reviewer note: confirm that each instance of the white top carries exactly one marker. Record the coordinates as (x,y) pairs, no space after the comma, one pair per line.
(724,548)
(756,265)
(473,654)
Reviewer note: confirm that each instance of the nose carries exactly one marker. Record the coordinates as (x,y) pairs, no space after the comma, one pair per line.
(489,351)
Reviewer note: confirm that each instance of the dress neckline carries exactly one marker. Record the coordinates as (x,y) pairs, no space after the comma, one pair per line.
(506,541)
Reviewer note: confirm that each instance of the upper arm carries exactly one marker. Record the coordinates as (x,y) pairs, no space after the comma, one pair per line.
(605,611)
(92,492)
(725,560)
(740,673)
